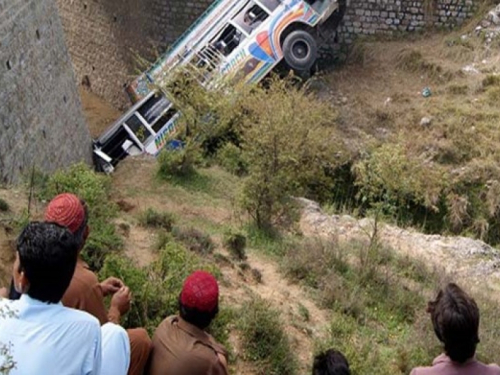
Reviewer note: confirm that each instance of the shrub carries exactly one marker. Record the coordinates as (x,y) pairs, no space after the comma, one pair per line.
(4,206)
(264,339)
(235,242)
(194,240)
(284,156)
(177,163)
(154,219)
(156,287)
(94,188)
(230,157)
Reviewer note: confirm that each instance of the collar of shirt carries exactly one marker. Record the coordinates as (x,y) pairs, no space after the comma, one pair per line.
(199,335)
(443,358)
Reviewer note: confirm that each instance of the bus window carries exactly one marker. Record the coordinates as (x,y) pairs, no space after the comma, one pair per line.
(250,17)
(228,40)
(135,124)
(167,116)
(153,108)
(270,5)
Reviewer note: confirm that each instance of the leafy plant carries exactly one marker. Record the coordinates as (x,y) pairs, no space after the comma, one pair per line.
(94,189)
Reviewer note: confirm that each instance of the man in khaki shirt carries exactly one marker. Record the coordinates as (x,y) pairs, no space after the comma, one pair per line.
(180,344)
(85,292)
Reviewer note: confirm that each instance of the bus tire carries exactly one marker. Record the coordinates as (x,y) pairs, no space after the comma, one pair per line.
(300,50)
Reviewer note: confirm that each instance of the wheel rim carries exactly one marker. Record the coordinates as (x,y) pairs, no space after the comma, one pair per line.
(300,49)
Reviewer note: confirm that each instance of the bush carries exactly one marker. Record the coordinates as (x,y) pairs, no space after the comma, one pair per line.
(285,156)
(230,157)
(235,242)
(264,340)
(155,219)
(156,287)
(4,206)
(194,240)
(177,163)
(94,188)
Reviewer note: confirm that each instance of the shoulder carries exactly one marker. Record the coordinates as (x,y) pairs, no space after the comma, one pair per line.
(492,369)
(68,314)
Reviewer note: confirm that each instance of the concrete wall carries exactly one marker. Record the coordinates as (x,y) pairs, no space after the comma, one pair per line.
(369,17)
(105,36)
(41,121)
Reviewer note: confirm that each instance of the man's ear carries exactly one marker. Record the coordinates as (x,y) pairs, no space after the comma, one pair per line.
(21,283)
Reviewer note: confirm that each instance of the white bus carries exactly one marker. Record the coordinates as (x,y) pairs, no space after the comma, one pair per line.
(235,39)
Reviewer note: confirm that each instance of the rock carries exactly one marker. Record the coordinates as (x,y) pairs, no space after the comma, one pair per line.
(485,23)
(344,100)
(426,122)
(470,69)
(387,102)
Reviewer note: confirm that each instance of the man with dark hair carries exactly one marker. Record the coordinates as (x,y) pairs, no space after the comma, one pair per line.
(44,336)
(455,318)
(180,344)
(85,292)
(331,362)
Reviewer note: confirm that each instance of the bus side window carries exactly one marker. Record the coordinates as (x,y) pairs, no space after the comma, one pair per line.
(229,39)
(250,17)
(271,5)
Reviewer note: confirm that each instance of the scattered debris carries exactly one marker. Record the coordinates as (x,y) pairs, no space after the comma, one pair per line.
(426,122)
(426,92)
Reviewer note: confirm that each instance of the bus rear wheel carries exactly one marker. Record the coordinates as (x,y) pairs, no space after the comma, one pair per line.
(300,50)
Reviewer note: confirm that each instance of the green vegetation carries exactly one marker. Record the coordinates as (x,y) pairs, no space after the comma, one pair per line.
(235,242)
(4,206)
(194,240)
(264,339)
(154,219)
(156,287)
(94,189)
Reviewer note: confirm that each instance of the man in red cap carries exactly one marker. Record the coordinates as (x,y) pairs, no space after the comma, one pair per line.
(85,292)
(180,344)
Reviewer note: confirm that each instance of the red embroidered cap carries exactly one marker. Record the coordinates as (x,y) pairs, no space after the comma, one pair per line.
(66,210)
(200,291)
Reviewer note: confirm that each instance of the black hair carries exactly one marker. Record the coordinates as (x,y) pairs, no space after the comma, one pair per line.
(47,256)
(200,319)
(455,318)
(331,362)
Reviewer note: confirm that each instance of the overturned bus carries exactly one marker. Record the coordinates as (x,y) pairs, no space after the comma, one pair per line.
(243,39)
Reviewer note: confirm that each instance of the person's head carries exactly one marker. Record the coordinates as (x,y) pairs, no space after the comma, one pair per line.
(71,212)
(331,362)
(199,299)
(45,261)
(455,318)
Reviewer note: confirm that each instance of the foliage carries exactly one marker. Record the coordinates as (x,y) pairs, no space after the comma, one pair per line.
(264,339)
(156,287)
(178,163)
(194,240)
(235,241)
(231,158)
(154,219)
(4,206)
(290,144)
(94,188)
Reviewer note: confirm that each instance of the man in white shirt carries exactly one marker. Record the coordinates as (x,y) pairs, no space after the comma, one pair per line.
(44,336)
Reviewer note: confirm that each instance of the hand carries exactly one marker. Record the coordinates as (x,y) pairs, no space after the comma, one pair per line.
(121,300)
(111,285)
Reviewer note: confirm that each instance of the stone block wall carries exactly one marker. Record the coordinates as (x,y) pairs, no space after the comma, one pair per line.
(41,120)
(369,17)
(105,37)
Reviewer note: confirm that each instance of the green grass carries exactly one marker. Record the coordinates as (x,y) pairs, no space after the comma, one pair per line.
(264,339)
(154,219)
